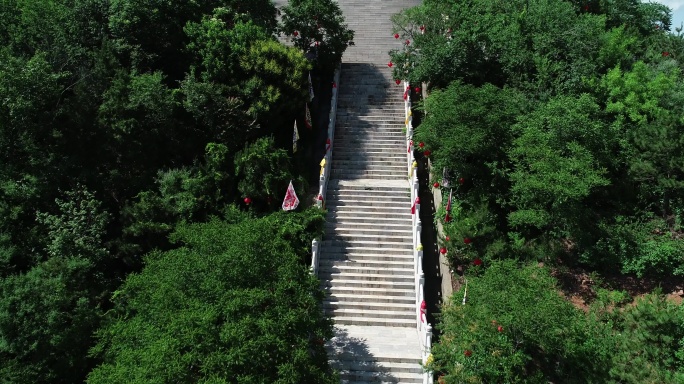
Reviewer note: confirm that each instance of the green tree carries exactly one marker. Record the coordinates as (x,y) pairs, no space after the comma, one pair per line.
(262,169)
(233,304)
(558,165)
(48,314)
(320,28)
(650,334)
(516,328)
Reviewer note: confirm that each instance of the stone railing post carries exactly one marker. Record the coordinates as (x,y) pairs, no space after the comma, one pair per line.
(314,256)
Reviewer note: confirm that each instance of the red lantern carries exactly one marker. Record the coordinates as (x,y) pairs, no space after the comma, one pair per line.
(436,185)
(320,197)
(295,33)
(477,262)
(396,35)
(665,54)
(417,89)
(427,153)
(467,240)
(422,28)
(443,251)
(499,328)
(468,353)
(421,144)
(397,81)
(248,201)
(461,180)
(390,64)
(408,42)
(448,238)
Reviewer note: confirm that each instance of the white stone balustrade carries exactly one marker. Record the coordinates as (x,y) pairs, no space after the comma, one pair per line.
(424,329)
(325,171)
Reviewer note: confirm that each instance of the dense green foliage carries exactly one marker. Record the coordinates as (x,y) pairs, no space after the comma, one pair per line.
(560,125)
(124,121)
(234,304)
(520,330)
(584,104)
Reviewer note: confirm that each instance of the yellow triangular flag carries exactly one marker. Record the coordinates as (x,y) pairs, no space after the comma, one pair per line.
(322,165)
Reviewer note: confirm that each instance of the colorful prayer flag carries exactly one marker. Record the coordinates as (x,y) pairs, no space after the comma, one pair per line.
(291,200)
(295,138)
(311,91)
(307,119)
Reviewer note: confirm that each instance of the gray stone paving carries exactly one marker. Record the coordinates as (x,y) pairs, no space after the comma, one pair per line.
(366,264)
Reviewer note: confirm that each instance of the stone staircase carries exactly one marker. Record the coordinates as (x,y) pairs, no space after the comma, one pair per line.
(366,263)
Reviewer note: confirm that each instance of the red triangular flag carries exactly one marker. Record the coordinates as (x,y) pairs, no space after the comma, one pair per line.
(413,208)
(448,207)
(291,200)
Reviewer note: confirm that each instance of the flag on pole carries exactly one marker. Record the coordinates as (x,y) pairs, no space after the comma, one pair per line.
(307,119)
(291,200)
(295,138)
(445,178)
(311,92)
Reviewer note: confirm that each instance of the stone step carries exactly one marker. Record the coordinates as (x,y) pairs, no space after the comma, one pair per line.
(357,297)
(370,238)
(384,290)
(368,206)
(356,142)
(351,153)
(402,270)
(353,225)
(398,123)
(383,313)
(373,321)
(343,260)
(354,219)
(352,253)
(387,117)
(366,164)
(370,135)
(339,281)
(352,177)
(370,170)
(366,195)
(362,203)
(384,366)
(361,235)
(356,154)
(366,377)
(366,277)
(350,114)
(369,359)
(400,187)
